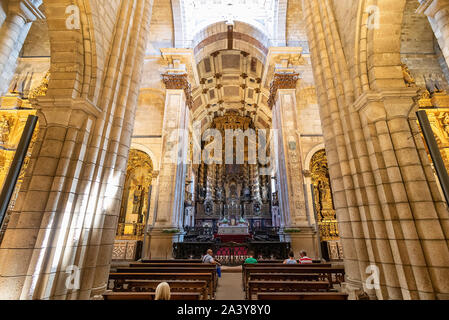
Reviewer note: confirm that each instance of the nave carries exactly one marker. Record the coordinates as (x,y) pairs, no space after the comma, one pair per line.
(193,280)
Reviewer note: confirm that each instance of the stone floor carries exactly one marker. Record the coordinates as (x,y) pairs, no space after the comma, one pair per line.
(230,284)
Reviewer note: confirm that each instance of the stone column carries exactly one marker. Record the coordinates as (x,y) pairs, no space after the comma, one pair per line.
(438,13)
(289,163)
(13,33)
(169,203)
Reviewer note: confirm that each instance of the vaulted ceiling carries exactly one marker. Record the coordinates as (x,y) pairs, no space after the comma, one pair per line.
(231,80)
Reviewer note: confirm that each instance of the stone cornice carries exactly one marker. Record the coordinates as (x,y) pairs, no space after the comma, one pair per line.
(282,81)
(387,103)
(179,81)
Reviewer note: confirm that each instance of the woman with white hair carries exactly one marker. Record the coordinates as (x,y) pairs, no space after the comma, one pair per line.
(163,291)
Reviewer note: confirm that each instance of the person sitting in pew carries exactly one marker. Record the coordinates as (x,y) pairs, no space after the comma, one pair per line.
(163,291)
(291,259)
(251,259)
(208,258)
(304,259)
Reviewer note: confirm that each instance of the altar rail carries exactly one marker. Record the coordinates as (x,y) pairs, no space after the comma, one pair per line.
(232,254)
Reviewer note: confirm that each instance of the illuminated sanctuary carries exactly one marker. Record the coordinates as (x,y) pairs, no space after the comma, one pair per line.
(164,128)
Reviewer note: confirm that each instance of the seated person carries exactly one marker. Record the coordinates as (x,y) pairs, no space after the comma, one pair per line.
(208,258)
(251,259)
(304,259)
(163,291)
(291,259)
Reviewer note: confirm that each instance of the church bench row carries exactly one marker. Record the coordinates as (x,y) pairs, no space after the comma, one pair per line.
(256,286)
(334,275)
(114,296)
(173,269)
(283,268)
(289,276)
(172,261)
(284,296)
(119,279)
(175,286)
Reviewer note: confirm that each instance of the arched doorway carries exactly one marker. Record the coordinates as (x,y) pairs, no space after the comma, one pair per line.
(331,248)
(135,206)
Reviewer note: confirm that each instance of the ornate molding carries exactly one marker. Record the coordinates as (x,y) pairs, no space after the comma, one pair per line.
(180,81)
(282,81)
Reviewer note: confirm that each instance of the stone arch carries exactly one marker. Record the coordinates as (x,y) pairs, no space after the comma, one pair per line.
(311,153)
(246,38)
(148,151)
(380,24)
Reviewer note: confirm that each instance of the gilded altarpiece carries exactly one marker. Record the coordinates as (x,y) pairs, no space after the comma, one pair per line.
(324,207)
(437,109)
(14,112)
(135,200)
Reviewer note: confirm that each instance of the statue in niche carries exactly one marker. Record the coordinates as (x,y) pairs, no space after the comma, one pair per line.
(137,200)
(5,130)
(257,208)
(246,192)
(219,193)
(325,196)
(264,190)
(202,193)
(445,123)
(275,199)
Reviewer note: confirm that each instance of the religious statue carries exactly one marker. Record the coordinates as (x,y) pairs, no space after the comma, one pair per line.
(5,131)
(264,193)
(445,122)
(408,78)
(219,193)
(137,200)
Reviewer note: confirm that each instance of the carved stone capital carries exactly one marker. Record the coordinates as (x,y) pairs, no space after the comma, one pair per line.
(179,81)
(431,7)
(27,9)
(282,81)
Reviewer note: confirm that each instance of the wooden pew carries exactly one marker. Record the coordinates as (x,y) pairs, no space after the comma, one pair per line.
(170,265)
(288,277)
(149,296)
(302,296)
(256,286)
(283,268)
(121,278)
(173,261)
(174,269)
(176,286)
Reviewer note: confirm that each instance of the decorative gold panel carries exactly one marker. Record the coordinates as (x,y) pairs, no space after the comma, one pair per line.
(327,220)
(135,200)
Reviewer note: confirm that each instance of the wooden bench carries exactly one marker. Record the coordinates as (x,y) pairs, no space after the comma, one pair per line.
(173,261)
(325,270)
(302,296)
(288,277)
(170,265)
(256,286)
(176,286)
(120,279)
(149,296)
(164,269)
(276,265)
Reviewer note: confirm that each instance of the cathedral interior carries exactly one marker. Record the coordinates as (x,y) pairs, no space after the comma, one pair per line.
(169,127)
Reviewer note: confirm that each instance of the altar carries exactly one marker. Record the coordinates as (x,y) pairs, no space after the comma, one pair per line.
(233,230)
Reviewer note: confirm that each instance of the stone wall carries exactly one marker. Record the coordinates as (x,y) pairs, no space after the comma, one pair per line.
(419,45)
